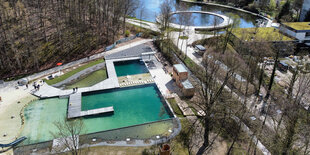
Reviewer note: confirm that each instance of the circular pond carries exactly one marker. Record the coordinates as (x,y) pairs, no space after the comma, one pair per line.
(197,19)
(149,9)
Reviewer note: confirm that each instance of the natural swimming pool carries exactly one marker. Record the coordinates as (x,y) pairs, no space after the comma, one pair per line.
(133,106)
(130,67)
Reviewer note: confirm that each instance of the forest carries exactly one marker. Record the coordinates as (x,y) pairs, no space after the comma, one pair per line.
(36,34)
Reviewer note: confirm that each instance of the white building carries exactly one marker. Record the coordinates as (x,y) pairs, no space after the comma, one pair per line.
(298,30)
(304,10)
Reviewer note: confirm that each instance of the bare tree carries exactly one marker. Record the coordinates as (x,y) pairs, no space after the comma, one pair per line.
(211,91)
(129,6)
(67,134)
(165,18)
(165,13)
(279,47)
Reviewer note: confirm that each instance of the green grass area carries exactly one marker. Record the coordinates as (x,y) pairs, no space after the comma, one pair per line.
(69,74)
(147,33)
(260,34)
(175,29)
(90,79)
(175,107)
(298,25)
(183,37)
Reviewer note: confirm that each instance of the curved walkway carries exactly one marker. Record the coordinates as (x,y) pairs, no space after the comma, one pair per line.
(226,21)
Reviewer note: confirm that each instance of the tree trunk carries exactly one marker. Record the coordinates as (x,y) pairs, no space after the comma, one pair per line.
(272,75)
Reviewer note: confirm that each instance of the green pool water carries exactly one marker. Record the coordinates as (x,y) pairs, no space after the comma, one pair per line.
(133,106)
(131,67)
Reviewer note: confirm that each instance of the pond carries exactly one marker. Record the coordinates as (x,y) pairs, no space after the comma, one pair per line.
(149,9)
(199,19)
(133,108)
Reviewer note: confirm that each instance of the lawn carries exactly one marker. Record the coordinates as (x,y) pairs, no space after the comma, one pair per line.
(260,34)
(69,74)
(90,79)
(183,37)
(298,25)
(175,107)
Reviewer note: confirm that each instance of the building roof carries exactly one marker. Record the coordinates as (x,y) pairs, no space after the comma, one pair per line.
(283,63)
(298,25)
(187,84)
(180,68)
(260,34)
(200,47)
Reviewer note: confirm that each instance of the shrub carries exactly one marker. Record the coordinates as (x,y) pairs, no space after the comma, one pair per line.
(251,8)
(127,33)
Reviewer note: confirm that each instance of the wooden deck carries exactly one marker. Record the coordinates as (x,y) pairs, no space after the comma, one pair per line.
(97,111)
(75,108)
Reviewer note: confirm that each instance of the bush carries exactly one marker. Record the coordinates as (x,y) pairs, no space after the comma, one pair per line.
(127,33)
(285,10)
(251,8)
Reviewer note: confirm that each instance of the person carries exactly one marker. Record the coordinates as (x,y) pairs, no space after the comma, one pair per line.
(73,90)
(76,89)
(38,87)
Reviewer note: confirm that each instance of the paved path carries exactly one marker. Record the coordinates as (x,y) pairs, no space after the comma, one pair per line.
(226,21)
(135,51)
(146,25)
(47,91)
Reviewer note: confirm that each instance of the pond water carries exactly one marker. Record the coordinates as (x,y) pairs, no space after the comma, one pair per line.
(199,19)
(149,9)
(133,106)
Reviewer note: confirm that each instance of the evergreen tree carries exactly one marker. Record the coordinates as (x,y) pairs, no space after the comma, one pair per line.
(307,17)
(285,10)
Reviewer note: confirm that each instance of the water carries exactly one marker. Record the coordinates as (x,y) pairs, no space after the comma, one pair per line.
(133,106)
(131,67)
(199,19)
(151,8)
(39,118)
